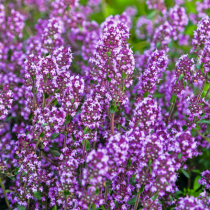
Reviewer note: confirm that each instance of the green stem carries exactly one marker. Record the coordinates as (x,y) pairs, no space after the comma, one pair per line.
(207,139)
(46,204)
(5,195)
(112,123)
(43,104)
(171,110)
(37,144)
(137,202)
(64,145)
(46,158)
(199,96)
(65,203)
(106,192)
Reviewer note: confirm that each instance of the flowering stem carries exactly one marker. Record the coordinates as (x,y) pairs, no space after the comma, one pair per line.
(65,204)
(5,195)
(28,203)
(64,145)
(37,144)
(112,123)
(43,104)
(106,192)
(46,204)
(50,102)
(171,110)
(84,147)
(207,139)
(46,158)
(207,93)
(137,202)
(112,129)
(153,200)
(199,96)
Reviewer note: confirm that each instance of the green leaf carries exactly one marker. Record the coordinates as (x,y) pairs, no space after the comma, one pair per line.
(193,132)
(196,185)
(132,201)
(57,90)
(11,177)
(149,162)
(87,145)
(141,189)
(9,118)
(171,198)
(108,182)
(185,173)
(37,195)
(16,172)
(54,208)
(86,130)
(66,192)
(123,87)
(44,124)
(72,100)
(155,196)
(158,95)
(145,94)
(208,128)
(21,207)
(166,183)
(208,74)
(204,121)
(30,116)
(41,134)
(55,102)
(46,95)
(109,79)
(123,75)
(173,99)
(113,108)
(109,53)
(180,77)
(196,171)
(54,135)
(151,14)
(185,84)
(129,162)
(94,206)
(158,45)
(68,119)
(97,192)
(55,152)
(179,155)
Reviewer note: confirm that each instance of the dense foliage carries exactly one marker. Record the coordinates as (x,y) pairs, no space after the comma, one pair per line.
(102,108)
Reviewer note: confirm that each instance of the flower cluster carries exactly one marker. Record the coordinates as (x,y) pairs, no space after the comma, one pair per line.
(87,122)
(6,98)
(156,64)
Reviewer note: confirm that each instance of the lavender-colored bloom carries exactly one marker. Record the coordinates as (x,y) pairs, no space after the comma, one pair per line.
(185,67)
(156,4)
(178,19)
(202,8)
(201,35)
(162,36)
(156,65)
(205,180)
(92,113)
(113,59)
(6,99)
(144,28)
(145,114)
(190,203)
